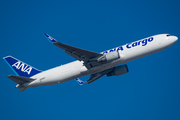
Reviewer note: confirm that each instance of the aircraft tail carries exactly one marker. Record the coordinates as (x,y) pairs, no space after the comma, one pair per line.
(20,81)
(21,68)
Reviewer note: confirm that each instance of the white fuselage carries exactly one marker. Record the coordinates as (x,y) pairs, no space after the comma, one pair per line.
(127,53)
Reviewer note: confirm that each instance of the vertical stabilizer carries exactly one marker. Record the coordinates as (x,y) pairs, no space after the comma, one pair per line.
(21,68)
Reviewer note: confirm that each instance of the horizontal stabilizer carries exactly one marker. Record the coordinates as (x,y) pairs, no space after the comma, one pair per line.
(19,79)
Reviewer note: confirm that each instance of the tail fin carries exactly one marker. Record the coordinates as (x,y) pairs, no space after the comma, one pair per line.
(21,68)
(80,82)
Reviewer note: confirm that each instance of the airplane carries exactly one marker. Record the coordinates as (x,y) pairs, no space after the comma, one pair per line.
(87,62)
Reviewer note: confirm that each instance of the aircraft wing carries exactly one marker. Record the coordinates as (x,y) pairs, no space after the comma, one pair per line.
(77,53)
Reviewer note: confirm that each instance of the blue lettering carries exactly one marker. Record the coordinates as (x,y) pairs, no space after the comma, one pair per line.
(134,44)
(139,42)
(150,39)
(144,42)
(105,52)
(128,46)
(120,48)
(112,50)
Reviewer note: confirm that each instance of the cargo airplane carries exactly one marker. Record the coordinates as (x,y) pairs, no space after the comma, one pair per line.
(88,63)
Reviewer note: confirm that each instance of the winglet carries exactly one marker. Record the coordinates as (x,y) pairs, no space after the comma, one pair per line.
(80,82)
(52,40)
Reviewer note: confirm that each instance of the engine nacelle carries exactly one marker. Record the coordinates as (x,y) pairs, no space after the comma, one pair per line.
(109,56)
(119,70)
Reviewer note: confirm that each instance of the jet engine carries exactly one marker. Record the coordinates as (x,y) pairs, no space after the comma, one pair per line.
(119,70)
(109,56)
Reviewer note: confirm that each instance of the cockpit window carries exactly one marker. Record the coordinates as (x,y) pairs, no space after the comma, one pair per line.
(168,35)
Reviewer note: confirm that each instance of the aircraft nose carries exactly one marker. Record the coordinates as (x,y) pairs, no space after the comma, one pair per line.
(173,38)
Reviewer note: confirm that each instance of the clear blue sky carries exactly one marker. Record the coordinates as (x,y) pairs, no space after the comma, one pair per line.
(151,89)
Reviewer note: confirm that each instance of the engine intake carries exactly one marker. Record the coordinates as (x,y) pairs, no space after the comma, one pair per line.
(119,70)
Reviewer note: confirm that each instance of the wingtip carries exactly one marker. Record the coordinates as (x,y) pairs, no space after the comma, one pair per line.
(52,40)
(46,34)
(80,82)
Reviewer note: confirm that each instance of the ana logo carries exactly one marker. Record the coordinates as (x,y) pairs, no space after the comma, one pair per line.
(23,67)
(140,42)
(131,45)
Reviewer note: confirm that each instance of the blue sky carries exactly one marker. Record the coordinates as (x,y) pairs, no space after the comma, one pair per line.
(151,89)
